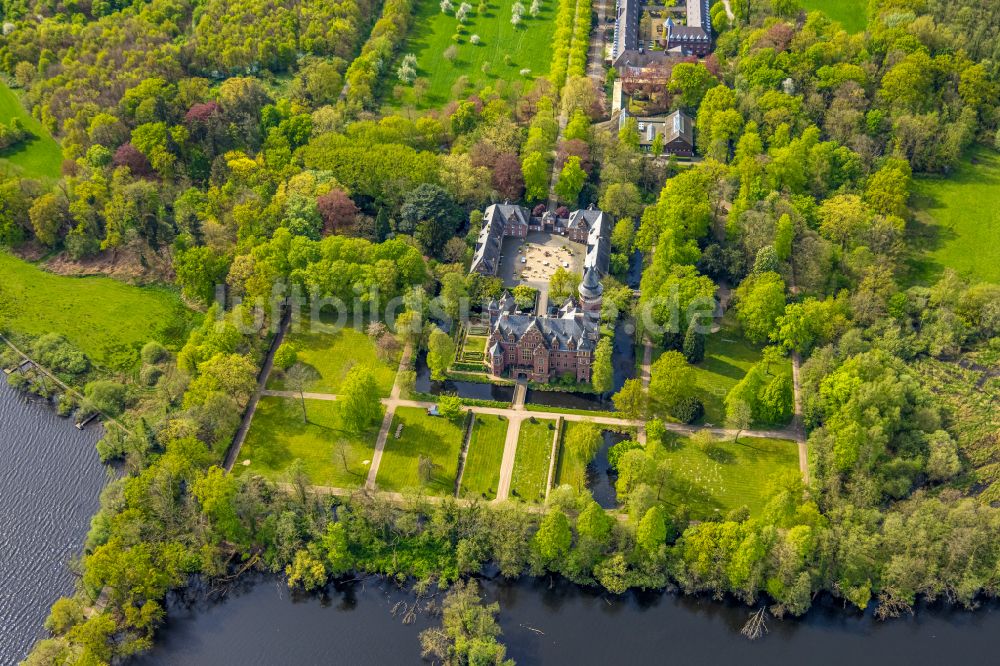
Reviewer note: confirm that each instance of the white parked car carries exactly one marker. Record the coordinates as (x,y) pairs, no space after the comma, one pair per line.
(523,260)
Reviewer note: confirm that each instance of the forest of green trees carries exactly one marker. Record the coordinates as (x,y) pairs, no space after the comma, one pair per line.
(244,142)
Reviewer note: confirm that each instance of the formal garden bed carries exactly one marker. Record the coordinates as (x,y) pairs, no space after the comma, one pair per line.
(424,456)
(531,464)
(484,457)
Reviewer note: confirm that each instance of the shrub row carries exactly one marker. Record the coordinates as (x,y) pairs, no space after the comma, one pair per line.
(387,34)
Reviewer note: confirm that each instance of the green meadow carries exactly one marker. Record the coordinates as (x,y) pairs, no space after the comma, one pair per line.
(107,320)
(39,157)
(423,436)
(531,462)
(330,455)
(957,221)
(726,475)
(852,14)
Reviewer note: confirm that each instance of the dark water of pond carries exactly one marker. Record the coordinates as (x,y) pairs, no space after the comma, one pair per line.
(600,477)
(547,621)
(634,276)
(566,399)
(623,359)
(474,390)
(50,483)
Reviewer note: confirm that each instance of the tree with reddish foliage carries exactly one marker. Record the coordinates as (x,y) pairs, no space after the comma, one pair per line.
(711,63)
(337,210)
(207,126)
(562,212)
(508,180)
(576,147)
(201,113)
(129,156)
(778,36)
(484,154)
(538,210)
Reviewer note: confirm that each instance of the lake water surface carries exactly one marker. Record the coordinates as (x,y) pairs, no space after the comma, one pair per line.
(50,482)
(547,622)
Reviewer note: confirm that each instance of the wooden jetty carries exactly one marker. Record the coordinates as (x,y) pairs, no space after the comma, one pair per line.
(83,424)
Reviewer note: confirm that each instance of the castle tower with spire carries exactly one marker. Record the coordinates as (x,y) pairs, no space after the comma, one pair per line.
(591,293)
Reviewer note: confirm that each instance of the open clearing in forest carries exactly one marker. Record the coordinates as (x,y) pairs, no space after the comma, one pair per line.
(726,475)
(969,390)
(330,455)
(957,221)
(529,46)
(852,14)
(433,437)
(107,320)
(38,157)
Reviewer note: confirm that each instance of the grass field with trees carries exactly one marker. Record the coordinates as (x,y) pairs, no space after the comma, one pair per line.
(107,320)
(330,455)
(424,437)
(531,464)
(482,463)
(725,475)
(957,221)
(852,14)
(503,51)
(38,157)
(728,357)
(332,354)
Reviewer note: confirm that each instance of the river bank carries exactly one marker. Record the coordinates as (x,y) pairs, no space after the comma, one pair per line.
(548,622)
(52,479)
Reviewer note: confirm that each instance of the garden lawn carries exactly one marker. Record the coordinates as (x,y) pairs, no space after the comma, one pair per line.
(957,221)
(434,437)
(278,436)
(727,475)
(852,14)
(570,469)
(332,355)
(728,356)
(107,320)
(531,464)
(529,47)
(476,346)
(482,462)
(38,157)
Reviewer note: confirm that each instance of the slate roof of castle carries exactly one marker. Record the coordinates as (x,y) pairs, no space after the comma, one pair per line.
(557,332)
(486,258)
(598,240)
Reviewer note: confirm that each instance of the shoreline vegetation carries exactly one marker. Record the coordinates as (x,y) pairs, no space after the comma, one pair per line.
(245,145)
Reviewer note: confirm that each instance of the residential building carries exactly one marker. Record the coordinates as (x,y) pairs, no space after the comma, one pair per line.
(676,130)
(695,37)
